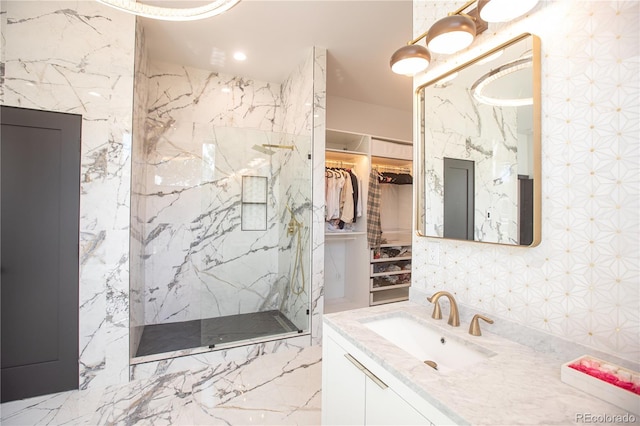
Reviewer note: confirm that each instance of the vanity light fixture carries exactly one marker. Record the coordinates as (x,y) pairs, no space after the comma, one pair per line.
(410,59)
(448,35)
(451,34)
(455,32)
(170,13)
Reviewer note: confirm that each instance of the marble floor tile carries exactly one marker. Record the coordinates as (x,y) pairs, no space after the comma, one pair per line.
(282,388)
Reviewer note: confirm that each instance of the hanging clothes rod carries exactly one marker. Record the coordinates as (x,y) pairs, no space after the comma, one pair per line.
(339,164)
(382,167)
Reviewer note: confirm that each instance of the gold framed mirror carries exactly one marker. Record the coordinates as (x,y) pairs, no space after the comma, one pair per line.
(478,172)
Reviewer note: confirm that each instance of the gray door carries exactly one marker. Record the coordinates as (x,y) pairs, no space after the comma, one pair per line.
(525,210)
(458,198)
(40,179)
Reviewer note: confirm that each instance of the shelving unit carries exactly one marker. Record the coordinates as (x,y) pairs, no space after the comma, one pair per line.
(352,278)
(387,285)
(346,260)
(390,273)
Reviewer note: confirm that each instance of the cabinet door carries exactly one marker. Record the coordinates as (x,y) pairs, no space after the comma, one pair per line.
(343,384)
(385,407)
(352,395)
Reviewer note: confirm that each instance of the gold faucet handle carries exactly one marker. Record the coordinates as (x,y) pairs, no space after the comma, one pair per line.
(474,327)
(437,313)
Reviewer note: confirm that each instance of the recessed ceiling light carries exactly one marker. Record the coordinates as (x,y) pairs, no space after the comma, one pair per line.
(226,90)
(239,56)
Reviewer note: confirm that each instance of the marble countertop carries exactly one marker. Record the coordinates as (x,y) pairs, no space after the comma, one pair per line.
(517,385)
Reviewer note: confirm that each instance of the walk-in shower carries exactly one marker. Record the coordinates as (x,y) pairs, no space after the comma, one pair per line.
(221,211)
(226,239)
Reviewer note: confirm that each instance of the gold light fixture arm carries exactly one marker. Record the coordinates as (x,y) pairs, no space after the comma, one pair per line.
(417,39)
(455,12)
(459,10)
(413,58)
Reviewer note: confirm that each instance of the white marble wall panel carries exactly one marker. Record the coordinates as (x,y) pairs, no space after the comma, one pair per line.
(200,263)
(493,150)
(205,357)
(77,57)
(296,194)
(317,243)
(85,65)
(190,95)
(138,180)
(582,282)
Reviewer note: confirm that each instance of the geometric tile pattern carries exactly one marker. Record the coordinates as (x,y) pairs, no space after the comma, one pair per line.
(582,282)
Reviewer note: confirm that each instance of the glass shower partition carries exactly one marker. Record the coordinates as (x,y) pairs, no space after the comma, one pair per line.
(227,253)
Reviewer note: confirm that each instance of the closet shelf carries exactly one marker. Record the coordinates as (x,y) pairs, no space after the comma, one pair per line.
(344,234)
(389,287)
(384,301)
(384,274)
(390,259)
(396,244)
(342,152)
(386,286)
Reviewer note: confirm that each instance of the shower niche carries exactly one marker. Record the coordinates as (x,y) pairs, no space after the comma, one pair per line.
(221,169)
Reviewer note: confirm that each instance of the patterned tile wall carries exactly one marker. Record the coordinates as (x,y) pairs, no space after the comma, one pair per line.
(582,282)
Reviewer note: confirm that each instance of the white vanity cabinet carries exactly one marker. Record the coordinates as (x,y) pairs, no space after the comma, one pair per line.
(358,391)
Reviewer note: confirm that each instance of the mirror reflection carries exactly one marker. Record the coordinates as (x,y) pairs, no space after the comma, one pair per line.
(480,148)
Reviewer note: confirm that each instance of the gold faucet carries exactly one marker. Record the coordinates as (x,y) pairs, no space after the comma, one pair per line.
(454,316)
(474,327)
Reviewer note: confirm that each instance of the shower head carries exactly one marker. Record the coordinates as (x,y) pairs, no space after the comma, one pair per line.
(263,149)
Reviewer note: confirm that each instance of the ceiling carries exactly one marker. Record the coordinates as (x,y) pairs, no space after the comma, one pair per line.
(276,36)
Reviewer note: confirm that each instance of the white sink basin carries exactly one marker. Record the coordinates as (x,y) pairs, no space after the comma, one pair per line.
(426,343)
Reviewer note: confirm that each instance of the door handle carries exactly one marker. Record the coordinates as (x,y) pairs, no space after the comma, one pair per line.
(366,371)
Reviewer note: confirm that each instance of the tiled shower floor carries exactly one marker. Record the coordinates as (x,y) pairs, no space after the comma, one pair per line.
(275,389)
(160,338)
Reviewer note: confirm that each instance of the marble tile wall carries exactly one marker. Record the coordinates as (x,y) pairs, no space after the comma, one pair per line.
(317,235)
(182,171)
(199,262)
(137,241)
(582,283)
(294,260)
(77,57)
(246,354)
(494,153)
